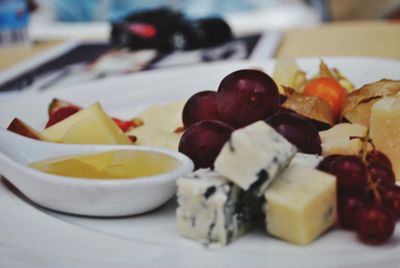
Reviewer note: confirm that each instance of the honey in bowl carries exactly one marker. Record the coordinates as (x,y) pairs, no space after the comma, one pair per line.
(116,164)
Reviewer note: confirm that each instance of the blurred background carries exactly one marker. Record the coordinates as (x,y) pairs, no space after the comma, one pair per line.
(72,41)
(49,17)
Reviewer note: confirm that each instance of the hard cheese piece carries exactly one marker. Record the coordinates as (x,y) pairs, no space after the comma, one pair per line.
(336,140)
(300,204)
(90,125)
(212,209)
(385,129)
(254,156)
(310,160)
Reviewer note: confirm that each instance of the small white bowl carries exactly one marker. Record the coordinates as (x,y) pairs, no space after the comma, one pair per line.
(91,197)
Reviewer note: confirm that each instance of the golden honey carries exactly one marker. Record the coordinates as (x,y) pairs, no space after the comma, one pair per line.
(117,164)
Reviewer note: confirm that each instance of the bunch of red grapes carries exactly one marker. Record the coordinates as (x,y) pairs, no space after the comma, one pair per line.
(368,198)
(243,97)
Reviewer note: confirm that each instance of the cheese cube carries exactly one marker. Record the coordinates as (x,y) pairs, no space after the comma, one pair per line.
(337,140)
(385,129)
(300,204)
(212,209)
(254,156)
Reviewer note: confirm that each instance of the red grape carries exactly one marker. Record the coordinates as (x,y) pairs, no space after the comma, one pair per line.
(328,162)
(297,130)
(246,96)
(374,224)
(351,174)
(348,207)
(282,99)
(392,200)
(382,174)
(203,141)
(200,106)
(377,157)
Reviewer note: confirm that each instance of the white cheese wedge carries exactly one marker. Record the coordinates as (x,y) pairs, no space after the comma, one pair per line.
(254,156)
(300,204)
(337,140)
(385,129)
(212,209)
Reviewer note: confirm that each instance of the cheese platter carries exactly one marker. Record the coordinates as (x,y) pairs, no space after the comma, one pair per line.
(125,97)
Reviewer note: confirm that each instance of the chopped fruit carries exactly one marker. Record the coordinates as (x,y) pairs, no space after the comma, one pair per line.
(124,125)
(60,114)
(56,104)
(22,128)
(329,90)
(89,125)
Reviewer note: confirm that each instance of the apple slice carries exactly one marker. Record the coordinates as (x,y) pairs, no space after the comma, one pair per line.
(60,114)
(56,104)
(20,127)
(76,129)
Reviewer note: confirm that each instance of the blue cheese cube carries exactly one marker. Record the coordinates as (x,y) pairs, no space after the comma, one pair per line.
(254,156)
(212,209)
(300,204)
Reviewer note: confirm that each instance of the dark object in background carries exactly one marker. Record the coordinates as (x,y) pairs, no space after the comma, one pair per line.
(167,30)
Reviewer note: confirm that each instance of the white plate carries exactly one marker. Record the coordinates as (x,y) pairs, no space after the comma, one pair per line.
(30,235)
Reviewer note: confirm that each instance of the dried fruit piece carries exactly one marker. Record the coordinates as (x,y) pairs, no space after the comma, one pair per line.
(311,107)
(357,104)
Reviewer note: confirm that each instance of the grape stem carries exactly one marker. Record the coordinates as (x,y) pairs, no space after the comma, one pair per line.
(374,186)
